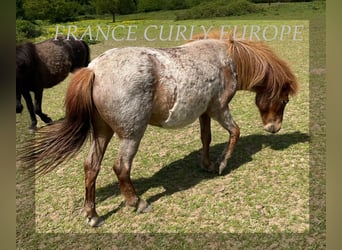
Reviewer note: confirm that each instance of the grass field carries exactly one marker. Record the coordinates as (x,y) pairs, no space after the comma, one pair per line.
(265,196)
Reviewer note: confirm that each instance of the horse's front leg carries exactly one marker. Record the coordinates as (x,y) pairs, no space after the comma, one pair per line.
(30,108)
(226,121)
(206,139)
(38,96)
(122,169)
(92,167)
(19,107)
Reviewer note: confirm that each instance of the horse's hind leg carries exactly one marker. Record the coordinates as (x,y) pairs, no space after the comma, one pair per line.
(38,96)
(122,169)
(226,121)
(101,137)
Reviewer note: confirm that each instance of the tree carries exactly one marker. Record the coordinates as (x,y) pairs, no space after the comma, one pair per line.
(36,9)
(103,6)
(19,9)
(55,10)
(128,6)
(63,10)
(114,6)
(150,5)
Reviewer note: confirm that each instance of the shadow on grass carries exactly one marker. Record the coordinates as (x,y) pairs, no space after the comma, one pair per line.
(185,173)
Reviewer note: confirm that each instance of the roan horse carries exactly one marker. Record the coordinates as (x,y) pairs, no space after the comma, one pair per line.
(125,89)
(43,65)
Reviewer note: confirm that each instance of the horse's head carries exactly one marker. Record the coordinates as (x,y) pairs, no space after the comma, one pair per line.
(260,70)
(271,108)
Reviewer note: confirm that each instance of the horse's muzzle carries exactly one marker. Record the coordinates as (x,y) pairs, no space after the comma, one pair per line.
(273,127)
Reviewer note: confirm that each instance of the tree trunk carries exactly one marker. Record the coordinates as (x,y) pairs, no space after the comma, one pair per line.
(113,14)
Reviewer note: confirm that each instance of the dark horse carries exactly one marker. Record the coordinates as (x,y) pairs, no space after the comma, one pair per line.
(125,89)
(43,65)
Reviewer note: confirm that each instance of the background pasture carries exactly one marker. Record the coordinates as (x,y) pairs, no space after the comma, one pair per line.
(266,191)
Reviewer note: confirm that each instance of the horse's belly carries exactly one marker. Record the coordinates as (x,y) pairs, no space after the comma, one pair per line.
(182,116)
(189,105)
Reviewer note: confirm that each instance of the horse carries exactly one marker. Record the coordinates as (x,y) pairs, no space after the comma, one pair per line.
(124,90)
(43,65)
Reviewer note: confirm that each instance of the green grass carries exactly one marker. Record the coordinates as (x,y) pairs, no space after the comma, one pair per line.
(267,191)
(301,10)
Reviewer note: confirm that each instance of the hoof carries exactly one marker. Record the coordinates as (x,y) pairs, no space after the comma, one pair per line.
(32,129)
(33,126)
(143,206)
(47,120)
(221,168)
(217,167)
(212,168)
(95,221)
(50,121)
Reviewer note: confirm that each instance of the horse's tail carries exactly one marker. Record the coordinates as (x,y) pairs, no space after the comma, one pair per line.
(54,144)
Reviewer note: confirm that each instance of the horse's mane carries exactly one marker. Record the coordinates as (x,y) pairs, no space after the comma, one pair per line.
(80,56)
(257,66)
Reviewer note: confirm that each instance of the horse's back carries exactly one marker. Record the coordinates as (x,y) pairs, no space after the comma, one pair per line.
(54,62)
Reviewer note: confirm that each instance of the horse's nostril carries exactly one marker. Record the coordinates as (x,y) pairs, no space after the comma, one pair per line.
(272,128)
